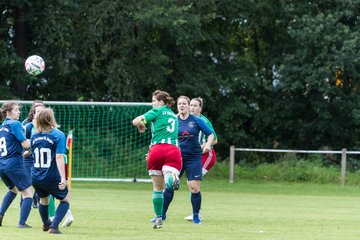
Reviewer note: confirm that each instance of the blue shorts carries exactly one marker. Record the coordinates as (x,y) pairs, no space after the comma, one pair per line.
(28,165)
(15,177)
(192,167)
(47,187)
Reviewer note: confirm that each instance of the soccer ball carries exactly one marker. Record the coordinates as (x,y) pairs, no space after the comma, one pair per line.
(34,65)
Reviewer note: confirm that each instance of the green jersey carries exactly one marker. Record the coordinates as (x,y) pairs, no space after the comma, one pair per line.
(164,125)
(202,136)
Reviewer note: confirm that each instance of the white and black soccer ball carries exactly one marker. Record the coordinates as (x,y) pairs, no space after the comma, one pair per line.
(34,65)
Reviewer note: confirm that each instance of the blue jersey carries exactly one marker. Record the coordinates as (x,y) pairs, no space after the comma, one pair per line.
(11,137)
(29,131)
(188,135)
(44,147)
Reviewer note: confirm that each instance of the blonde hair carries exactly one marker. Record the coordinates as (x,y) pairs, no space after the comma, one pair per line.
(184,97)
(45,120)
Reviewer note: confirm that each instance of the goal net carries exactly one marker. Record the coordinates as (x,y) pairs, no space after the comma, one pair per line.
(106,146)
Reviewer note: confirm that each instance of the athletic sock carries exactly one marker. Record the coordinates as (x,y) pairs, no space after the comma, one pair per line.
(51,207)
(25,210)
(196,202)
(168,197)
(158,202)
(44,213)
(9,197)
(60,213)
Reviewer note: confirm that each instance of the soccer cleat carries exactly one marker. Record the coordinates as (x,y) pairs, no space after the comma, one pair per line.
(196,219)
(35,205)
(176,181)
(23,226)
(68,221)
(46,227)
(153,220)
(158,223)
(190,217)
(54,231)
(1,218)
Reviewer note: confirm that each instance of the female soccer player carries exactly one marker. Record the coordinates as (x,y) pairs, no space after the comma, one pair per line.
(164,158)
(208,158)
(29,130)
(48,146)
(189,130)
(12,171)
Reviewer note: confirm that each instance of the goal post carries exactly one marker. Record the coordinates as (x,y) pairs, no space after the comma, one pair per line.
(106,146)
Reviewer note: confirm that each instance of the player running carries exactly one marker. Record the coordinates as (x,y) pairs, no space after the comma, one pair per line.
(48,174)
(12,171)
(164,158)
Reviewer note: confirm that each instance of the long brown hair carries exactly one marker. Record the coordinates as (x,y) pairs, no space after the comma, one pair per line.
(7,107)
(162,95)
(34,105)
(45,120)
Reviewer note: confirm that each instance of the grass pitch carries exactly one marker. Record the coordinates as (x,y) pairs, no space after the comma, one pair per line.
(243,210)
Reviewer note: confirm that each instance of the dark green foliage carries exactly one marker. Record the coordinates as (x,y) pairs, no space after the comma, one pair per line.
(228,52)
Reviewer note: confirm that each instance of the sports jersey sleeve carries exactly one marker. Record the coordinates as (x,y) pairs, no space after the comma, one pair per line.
(28,128)
(203,126)
(212,128)
(18,131)
(151,115)
(61,144)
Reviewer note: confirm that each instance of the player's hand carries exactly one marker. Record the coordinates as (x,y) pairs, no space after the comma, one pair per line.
(27,153)
(62,184)
(147,157)
(141,128)
(206,149)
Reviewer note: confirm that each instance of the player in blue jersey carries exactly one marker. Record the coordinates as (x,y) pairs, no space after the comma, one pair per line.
(164,158)
(190,127)
(208,158)
(48,146)
(29,129)
(12,171)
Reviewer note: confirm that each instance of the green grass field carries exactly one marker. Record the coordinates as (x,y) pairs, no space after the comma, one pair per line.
(243,210)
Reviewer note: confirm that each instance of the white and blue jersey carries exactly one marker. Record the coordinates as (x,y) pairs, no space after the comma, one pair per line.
(190,147)
(11,137)
(44,147)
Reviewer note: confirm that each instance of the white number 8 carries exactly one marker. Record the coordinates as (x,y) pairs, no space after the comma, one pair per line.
(3,148)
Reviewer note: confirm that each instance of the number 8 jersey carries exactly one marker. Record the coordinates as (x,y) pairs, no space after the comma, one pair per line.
(11,136)
(44,147)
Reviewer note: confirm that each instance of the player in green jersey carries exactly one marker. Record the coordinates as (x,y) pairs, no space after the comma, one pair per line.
(164,158)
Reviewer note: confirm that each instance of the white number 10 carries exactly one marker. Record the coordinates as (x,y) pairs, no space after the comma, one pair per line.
(42,157)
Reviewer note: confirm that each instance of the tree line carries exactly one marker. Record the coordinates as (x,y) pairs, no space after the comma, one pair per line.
(272,73)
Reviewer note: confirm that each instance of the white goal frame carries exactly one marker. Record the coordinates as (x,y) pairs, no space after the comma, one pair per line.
(343,153)
(90,103)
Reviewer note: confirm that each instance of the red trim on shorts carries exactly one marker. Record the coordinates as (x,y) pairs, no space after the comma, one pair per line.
(209,159)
